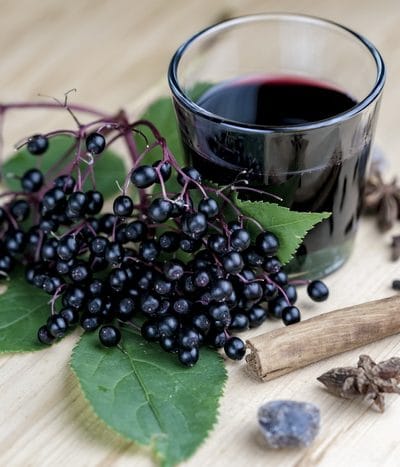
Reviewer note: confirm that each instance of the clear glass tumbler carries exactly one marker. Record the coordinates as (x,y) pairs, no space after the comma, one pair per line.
(290,102)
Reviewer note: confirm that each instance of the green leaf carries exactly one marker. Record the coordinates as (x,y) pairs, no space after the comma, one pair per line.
(23,309)
(108,167)
(147,396)
(289,226)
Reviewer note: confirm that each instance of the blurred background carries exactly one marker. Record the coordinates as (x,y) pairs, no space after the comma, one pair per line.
(116,53)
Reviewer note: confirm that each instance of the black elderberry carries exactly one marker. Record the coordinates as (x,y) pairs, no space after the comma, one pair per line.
(190,173)
(67,247)
(6,263)
(317,291)
(136,231)
(123,206)
(173,270)
(113,253)
(267,243)
(168,344)
(53,200)
(66,183)
(149,304)
(182,306)
(165,170)
(149,250)
(201,322)
(232,262)
(95,143)
(194,225)
(290,315)
(271,265)
(201,279)
(32,181)
(70,315)
(276,307)
(168,326)
(94,202)
(279,278)
(257,315)
(76,204)
(144,176)
(220,315)
(107,223)
(221,290)
(20,210)
(37,144)
(149,331)
(217,243)
(125,309)
(209,207)
(117,279)
(235,348)
(160,210)
(240,240)
(90,323)
(188,338)
(188,357)
(189,245)
(109,336)
(169,241)
(44,336)
(79,273)
(98,246)
(56,325)
(239,322)
(253,291)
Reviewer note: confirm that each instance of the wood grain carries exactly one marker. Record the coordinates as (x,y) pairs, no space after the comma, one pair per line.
(284,350)
(116,54)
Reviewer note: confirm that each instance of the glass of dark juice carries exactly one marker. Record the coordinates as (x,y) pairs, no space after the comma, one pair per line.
(289,103)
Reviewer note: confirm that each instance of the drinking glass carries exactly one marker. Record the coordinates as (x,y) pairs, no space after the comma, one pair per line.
(313,165)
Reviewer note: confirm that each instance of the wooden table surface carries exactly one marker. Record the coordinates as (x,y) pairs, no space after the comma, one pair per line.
(116,54)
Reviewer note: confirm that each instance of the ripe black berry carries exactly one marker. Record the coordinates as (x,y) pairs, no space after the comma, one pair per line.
(160,210)
(109,336)
(66,183)
(148,250)
(217,243)
(194,225)
(123,206)
(57,326)
(267,243)
(256,315)
(165,170)
(70,315)
(144,176)
(271,265)
(235,348)
(32,181)
(20,210)
(37,144)
(209,207)
(169,241)
(150,331)
(173,270)
(90,323)
(191,174)
(232,262)
(290,315)
(136,231)
(125,309)
(239,322)
(94,202)
(221,290)
(95,143)
(44,336)
(113,253)
(188,357)
(240,240)
(317,291)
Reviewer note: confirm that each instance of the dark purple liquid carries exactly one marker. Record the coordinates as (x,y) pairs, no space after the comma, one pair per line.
(312,170)
(275,102)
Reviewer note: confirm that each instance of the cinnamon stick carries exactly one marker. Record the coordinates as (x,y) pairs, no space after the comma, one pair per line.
(281,351)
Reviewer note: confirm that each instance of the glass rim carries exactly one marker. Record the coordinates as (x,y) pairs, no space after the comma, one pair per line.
(181,96)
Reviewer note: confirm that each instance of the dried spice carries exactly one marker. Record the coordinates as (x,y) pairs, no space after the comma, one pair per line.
(382,199)
(369,380)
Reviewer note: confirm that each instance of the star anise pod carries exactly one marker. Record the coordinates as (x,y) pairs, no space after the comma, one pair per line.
(369,380)
(383,199)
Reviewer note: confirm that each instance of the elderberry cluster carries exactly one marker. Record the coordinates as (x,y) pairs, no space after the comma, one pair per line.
(182,267)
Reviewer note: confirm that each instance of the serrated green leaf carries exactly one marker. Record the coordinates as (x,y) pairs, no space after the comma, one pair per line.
(23,309)
(289,226)
(108,168)
(144,394)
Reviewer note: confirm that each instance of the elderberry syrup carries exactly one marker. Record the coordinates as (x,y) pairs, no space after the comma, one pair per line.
(273,133)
